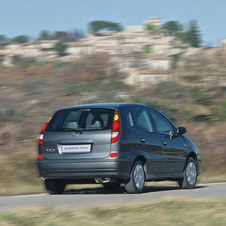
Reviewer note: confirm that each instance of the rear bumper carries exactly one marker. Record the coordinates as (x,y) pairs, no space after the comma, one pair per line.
(84,169)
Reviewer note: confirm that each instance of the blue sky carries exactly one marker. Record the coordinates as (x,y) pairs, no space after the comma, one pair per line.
(29,17)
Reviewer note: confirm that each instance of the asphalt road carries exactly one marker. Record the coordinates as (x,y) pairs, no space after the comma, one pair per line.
(95,197)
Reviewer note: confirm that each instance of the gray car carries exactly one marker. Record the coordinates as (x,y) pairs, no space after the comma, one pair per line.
(114,144)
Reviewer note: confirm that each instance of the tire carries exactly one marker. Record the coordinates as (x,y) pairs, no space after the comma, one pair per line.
(54,186)
(111,186)
(190,175)
(137,179)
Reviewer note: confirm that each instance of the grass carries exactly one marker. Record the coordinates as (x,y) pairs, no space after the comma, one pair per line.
(165,212)
(212,177)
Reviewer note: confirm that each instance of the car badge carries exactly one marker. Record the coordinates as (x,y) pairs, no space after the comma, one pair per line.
(75,134)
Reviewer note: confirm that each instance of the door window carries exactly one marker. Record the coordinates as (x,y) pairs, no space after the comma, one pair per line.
(162,124)
(142,120)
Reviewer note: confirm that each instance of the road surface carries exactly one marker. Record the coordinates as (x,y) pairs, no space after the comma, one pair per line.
(94,197)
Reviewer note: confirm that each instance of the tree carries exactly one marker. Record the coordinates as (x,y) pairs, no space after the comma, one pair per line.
(45,35)
(184,37)
(189,36)
(60,48)
(172,27)
(96,26)
(20,39)
(195,37)
(61,35)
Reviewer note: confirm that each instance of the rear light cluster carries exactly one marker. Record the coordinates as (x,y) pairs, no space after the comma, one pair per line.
(115,132)
(116,127)
(40,156)
(40,137)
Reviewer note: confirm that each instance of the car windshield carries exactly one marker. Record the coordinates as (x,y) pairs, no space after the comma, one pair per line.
(81,119)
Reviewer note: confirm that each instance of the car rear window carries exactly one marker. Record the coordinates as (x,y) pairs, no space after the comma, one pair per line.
(82,119)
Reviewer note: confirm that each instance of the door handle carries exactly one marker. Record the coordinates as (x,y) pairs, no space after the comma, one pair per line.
(164,143)
(143,140)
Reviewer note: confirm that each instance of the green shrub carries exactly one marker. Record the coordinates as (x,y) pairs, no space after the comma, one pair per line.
(147,48)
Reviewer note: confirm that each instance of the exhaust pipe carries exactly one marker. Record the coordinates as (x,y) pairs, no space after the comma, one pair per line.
(100,180)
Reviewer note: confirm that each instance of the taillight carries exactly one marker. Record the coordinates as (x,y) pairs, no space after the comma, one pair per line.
(116,127)
(113,155)
(40,137)
(40,156)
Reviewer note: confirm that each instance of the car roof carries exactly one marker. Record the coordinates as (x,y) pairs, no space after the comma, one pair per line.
(104,105)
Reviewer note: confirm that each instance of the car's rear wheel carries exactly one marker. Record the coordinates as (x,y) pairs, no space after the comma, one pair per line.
(137,178)
(190,175)
(111,186)
(54,186)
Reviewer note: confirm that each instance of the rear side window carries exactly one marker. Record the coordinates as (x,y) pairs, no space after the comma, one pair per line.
(130,120)
(82,119)
(142,120)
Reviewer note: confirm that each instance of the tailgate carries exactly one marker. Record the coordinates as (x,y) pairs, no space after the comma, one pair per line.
(79,133)
(73,145)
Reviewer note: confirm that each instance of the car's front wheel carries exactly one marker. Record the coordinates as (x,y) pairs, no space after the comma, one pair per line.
(137,178)
(54,186)
(190,175)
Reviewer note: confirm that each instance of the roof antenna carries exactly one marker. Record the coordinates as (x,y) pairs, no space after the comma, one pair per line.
(120,98)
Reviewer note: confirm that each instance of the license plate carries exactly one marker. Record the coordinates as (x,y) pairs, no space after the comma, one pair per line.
(79,148)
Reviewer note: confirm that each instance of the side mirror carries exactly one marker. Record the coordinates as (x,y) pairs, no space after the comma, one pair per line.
(181,130)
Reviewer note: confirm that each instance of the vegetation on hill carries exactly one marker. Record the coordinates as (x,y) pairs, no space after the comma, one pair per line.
(172,27)
(62,36)
(101,25)
(190,35)
(60,47)
(20,39)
